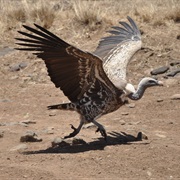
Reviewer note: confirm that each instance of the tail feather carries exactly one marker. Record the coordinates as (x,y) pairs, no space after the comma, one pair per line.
(65,106)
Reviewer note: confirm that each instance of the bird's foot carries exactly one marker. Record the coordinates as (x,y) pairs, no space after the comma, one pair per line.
(74,133)
(103,133)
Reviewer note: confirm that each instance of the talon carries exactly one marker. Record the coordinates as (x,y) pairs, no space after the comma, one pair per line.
(75,131)
(97,130)
(103,133)
(72,127)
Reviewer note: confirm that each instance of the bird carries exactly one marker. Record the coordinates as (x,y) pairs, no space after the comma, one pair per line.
(95,83)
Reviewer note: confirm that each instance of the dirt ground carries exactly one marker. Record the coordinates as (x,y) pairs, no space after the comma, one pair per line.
(24,95)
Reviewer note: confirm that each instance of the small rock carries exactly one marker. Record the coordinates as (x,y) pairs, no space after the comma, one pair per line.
(131,105)
(19,147)
(52,113)
(22,65)
(175,97)
(174,63)
(23,124)
(89,125)
(5,100)
(30,136)
(1,134)
(160,70)
(124,113)
(60,142)
(2,124)
(78,141)
(161,135)
(141,136)
(5,50)
(173,73)
(122,122)
(17,67)
(149,173)
(159,100)
(49,130)
(28,122)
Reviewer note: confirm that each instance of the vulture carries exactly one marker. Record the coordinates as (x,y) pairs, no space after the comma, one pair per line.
(95,83)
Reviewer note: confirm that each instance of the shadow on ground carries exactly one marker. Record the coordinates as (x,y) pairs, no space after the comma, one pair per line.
(113,139)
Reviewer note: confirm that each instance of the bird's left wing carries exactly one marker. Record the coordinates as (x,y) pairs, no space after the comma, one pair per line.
(69,68)
(117,49)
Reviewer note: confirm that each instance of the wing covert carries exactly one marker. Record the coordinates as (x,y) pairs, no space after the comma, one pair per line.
(69,68)
(117,50)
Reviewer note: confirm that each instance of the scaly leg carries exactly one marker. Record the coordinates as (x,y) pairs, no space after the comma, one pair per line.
(100,129)
(76,130)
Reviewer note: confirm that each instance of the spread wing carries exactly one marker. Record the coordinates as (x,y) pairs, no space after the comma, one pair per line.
(116,50)
(69,68)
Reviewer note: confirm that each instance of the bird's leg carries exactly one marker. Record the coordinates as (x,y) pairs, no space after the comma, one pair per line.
(76,130)
(100,129)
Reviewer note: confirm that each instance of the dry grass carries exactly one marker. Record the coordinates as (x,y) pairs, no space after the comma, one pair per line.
(158,12)
(88,14)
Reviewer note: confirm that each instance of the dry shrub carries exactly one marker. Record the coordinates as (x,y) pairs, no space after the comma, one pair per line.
(158,12)
(85,15)
(14,13)
(88,13)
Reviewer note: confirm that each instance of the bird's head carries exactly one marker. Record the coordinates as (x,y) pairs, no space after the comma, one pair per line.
(148,82)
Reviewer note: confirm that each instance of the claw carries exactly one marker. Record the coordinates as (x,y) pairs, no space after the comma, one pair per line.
(73,133)
(103,133)
(72,127)
(75,130)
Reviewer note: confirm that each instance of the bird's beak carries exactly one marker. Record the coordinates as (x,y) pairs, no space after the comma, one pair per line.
(160,83)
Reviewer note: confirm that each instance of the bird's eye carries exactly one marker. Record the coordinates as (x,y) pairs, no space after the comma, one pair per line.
(151,81)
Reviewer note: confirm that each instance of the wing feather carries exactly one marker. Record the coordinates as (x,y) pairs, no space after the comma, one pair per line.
(69,68)
(117,50)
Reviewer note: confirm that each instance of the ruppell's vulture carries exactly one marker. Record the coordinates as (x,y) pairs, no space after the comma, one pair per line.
(95,83)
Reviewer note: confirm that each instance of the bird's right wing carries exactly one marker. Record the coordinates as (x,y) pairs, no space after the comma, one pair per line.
(69,68)
(116,50)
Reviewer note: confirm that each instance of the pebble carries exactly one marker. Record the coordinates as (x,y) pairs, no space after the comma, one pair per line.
(173,73)
(89,125)
(174,63)
(19,147)
(124,113)
(78,141)
(1,134)
(131,105)
(5,50)
(175,97)
(23,65)
(141,136)
(122,122)
(18,66)
(14,68)
(160,70)
(5,100)
(60,142)
(30,136)
(28,122)
(159,100)
(52,113)
(160,135)
(49,130)
(149,173)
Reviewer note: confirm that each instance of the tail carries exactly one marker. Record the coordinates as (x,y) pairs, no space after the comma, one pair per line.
(65,106)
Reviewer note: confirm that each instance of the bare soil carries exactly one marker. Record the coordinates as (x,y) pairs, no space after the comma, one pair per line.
(25,94)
